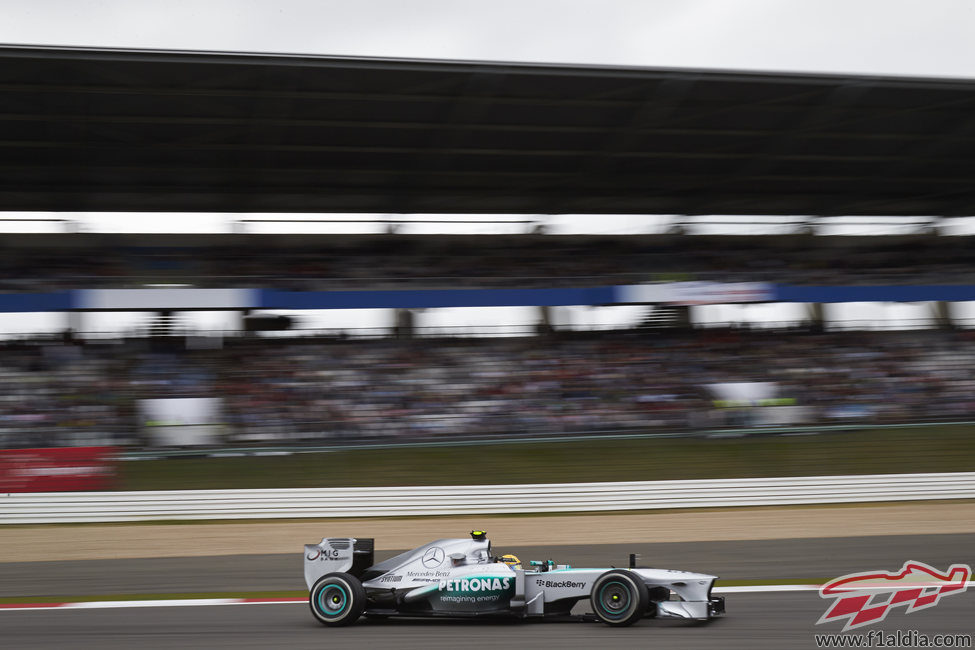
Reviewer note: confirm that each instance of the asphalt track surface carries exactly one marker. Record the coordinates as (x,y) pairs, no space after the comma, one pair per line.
(794,560)
(777,620)
(754,620)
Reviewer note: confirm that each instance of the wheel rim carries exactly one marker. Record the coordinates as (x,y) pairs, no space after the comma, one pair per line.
(614,599)
(332,600)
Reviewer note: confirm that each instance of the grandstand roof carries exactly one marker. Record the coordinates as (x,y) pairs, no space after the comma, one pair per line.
(125,130)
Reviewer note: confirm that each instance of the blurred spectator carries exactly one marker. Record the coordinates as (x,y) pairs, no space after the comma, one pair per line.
(318,391)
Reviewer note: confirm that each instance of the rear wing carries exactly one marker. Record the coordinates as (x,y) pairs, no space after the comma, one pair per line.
(338,554)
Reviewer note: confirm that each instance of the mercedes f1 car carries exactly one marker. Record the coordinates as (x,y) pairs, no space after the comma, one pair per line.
(462,578)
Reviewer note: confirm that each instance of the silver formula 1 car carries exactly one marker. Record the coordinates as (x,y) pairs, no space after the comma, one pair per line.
(462,578)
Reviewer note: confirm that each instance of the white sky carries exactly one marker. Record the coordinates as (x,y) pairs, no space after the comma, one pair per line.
(889,37)
(932,38)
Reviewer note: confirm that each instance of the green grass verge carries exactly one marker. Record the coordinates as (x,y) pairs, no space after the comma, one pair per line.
(871,451)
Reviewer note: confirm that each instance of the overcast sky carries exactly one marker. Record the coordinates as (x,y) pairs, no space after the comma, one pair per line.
(930,38)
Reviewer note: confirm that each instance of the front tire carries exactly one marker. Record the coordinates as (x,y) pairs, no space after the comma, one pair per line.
(337,599)
(619,598)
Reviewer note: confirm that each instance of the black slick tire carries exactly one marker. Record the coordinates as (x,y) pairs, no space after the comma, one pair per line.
(619,598)
(337,599)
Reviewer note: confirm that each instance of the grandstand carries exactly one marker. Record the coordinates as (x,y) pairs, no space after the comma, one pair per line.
(122,130)
(53,262)
(153,131)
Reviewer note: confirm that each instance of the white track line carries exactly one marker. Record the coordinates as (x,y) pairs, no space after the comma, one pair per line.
(188,602)
(762,589)
(114,604)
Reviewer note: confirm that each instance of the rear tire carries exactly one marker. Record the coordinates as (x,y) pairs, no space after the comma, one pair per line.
(619,598)
(337,599)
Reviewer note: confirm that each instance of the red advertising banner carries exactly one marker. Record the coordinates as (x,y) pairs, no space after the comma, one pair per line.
(57,469)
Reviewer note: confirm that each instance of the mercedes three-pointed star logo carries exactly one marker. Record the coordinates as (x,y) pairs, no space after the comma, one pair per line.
(433,557)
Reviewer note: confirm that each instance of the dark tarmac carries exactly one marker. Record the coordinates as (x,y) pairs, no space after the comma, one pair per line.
(778,620)
(754,620)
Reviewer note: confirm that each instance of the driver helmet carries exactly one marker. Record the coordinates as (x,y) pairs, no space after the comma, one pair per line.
(511,561)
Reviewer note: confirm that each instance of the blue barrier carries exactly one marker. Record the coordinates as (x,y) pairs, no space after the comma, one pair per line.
(433,298)
(882,293)
(32,302)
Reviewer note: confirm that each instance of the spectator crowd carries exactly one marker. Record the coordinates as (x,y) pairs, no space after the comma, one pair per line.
(316,391)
